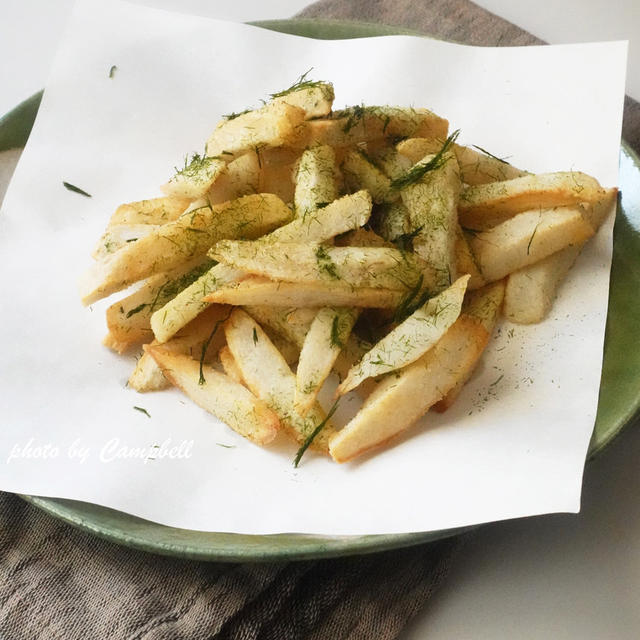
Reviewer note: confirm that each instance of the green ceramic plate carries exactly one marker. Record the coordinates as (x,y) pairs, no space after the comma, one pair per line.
(619,391)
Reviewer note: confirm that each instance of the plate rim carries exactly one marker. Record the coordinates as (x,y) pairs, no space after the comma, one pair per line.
(267,547)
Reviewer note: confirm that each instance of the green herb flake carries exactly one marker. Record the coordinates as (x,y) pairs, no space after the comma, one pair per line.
(233,116)
(312,435)
(194,167)
(335,333)
(72,187)
(135,310)
(354,115)
(411,302)
(206,344)
(495,382)
(141,410)
(419,170)
(226,446)
(301,83)
(486,153)
(325,263)
(112,71)
(404,241)
(533,235)
(255,336)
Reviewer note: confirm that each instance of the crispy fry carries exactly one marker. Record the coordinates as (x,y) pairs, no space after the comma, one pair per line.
(292,324)
(432,205)
(527,238)
(487,205)
(229,401)
(360,173)
(403,397)
(269,377)
(411,339)
(390,161)
(476,166)
(186,238)
(342,215)
(362,124)
(349,212)
(531,290)
(259,291)
(230,365)
(315,100)
(195,178)
(152,211)
(129,319)
(183,308)
(274,125)
(483,305)
(327,336)
(374,267)
(189,341)
(316,184)
(119,235)
(241,178)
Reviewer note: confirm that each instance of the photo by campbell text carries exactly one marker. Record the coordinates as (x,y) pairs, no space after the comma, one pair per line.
(112,450)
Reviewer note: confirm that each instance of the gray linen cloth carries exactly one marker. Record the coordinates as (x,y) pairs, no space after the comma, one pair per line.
(59,582)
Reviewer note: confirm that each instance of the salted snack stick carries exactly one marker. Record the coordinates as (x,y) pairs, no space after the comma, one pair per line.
(229,401)
(344,214)
(430,192)
(482,305)
(527,238)
(327,336)
(186,238)
(404,396)
(487,205)
(151,211)
(256,290)
(269,377)
(315,184)
(375,267)
(410,339)
(200,339)
(477,166)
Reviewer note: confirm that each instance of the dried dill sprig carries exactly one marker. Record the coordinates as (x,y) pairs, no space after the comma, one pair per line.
(206,344)
(193,166)
(335,332)
(310,438)
(404,241)
(135,310)
(533,235)
(72,187)
(486,153)
(418,170)
(354,115)
(142,410)
(325,263)
(234,115)
(299,84)
(414,299)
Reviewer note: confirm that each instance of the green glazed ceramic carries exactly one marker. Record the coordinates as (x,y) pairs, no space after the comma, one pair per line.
(619,399)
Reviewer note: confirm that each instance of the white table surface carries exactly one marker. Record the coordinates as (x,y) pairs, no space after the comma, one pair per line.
(561,576)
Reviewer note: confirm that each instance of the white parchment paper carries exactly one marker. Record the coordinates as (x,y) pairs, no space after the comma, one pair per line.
(515,442)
